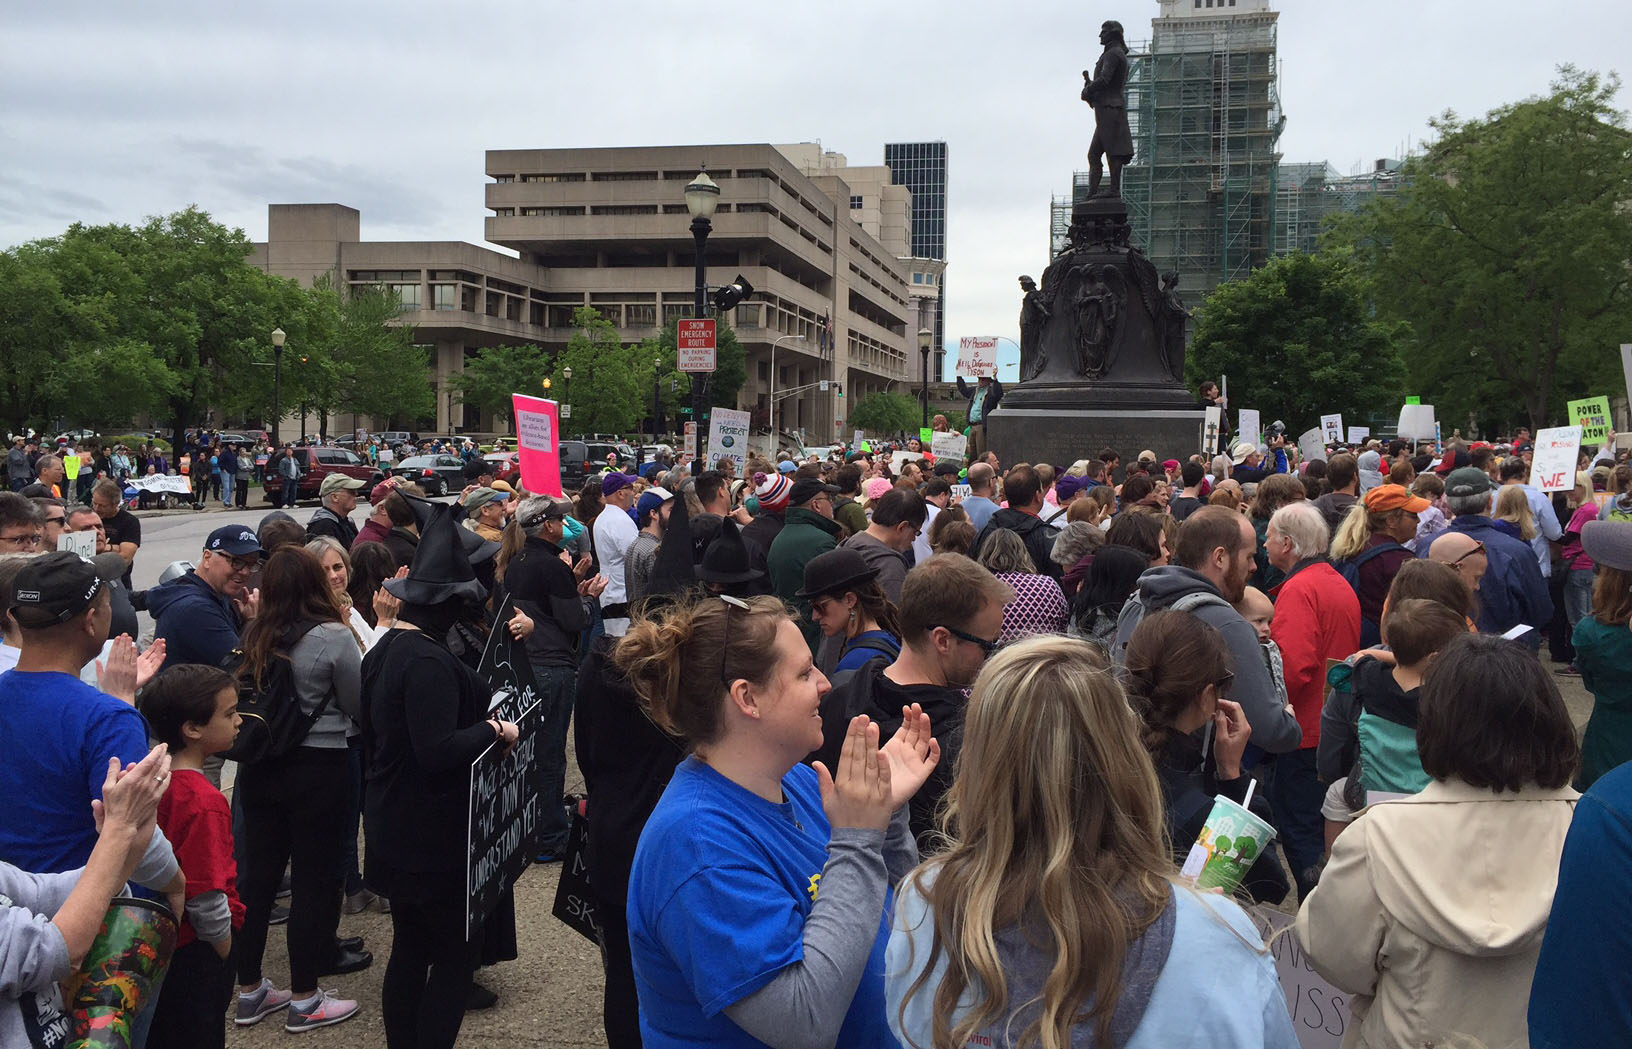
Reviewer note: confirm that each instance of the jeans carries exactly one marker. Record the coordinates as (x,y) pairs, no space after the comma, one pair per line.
(291,487)
(556,686)
(431,966)
(19,483)
(294,816)
(1296,793)
(1578,595)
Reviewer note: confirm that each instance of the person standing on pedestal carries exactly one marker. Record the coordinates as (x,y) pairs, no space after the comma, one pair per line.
(982,400)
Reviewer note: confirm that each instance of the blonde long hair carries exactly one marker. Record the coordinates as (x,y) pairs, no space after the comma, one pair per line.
(1513,506)
(1355,531)
(1054,822)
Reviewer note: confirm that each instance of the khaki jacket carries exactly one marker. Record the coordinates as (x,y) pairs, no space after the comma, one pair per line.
(1431,914)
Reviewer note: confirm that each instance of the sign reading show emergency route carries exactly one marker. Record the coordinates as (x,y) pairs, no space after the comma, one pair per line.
(695,345)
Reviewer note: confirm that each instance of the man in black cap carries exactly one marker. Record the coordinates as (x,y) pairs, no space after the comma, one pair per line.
(1512,591)
(201,615)
(809,530)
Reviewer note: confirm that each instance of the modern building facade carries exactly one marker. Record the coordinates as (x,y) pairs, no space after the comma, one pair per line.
(921,167)
(1307,194)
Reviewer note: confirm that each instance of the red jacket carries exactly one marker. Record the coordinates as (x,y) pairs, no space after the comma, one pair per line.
(1317,617)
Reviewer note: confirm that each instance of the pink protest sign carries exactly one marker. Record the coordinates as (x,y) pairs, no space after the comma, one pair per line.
(537,424)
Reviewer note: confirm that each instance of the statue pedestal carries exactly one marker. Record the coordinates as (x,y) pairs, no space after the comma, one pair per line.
(1062,435)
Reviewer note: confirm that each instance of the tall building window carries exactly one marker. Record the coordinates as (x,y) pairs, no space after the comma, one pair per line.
(444,296)
(407,294)
(855,203)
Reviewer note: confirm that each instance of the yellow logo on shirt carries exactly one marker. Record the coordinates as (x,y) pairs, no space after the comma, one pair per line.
(814,887)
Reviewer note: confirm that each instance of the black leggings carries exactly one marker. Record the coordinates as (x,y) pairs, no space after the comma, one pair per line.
(431,966)
(295,816)
(192,1011)
(620,1011)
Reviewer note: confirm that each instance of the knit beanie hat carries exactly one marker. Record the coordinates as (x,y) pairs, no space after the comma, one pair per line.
(772,491)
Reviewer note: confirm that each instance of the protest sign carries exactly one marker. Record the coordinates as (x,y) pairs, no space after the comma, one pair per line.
(900,459)
(977,355)
(925,435)
(1249,425)
(81,543)
(728,438)
(1416,421)
(1210,427)
(690,433)
(537,430)
(505,820)
(1331,427)
(173,483)
(1312,445)
(1626,371)
(574,897)
(1358,434)
(1552,467)
(1320,1012)
(1413,400)
(949,446)
(856,441)
(960,492)
(505,670)
(1592,415)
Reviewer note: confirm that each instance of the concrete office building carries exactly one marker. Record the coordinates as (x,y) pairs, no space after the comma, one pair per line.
(610,227)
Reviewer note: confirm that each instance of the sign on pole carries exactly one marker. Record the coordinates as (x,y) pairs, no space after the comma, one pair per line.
(537,444)
(949,446)
(1249,424)
(1552,468)
(728,437)
(1210,427)
(1416,421)
(1358,434)
(977,355)
(690,433)
(1331,429)
(695,345)
(1592,415)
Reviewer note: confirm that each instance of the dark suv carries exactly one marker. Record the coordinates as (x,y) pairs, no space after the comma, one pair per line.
(318,463)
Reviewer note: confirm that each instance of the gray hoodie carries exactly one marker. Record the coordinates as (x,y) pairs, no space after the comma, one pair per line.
(1274,728)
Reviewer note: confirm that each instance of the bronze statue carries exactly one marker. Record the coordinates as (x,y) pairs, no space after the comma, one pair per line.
(1105,91)
(1034,313)
(1098,308)
(1174,318)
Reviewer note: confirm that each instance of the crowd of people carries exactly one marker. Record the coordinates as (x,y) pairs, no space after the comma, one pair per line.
(879,750)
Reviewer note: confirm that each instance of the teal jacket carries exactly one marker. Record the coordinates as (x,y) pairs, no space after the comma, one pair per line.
(1603,653)
(805,534)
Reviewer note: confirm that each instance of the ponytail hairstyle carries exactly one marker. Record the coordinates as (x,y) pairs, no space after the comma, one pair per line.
(1171,659)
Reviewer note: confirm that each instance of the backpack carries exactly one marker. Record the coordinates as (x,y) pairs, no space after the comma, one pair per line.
(273,723)
(1616,512)
(883,646)
(1370,632)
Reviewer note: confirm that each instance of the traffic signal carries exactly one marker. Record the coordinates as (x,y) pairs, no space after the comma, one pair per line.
(727,297)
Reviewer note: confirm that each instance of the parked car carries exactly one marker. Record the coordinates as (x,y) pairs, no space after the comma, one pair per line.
(395,439)
(506,443)
(507,466)
(437,474)
(318,463)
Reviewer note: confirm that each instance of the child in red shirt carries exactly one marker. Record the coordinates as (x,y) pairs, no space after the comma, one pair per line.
(194,708)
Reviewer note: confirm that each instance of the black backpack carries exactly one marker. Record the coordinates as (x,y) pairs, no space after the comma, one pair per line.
(273,723)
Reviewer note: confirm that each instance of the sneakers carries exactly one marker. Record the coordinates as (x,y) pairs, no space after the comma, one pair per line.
(357,902)
(279,915)
(324,1010)
(253,1008)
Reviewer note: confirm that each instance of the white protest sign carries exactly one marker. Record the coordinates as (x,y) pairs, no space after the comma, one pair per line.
(1210,427)
(948,445)
(1416,422)
(160,483)
(977,355)
(1626,370)
(728,437)
(1552,468)
(1312,445)
(1320,1012)
(1331,427)
(855,442)
(1249,425)
(900,459)
(960,492)
(534,431)
(1358,434)
(81,543)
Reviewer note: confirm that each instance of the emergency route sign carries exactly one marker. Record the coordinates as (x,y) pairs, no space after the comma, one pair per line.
(695,345)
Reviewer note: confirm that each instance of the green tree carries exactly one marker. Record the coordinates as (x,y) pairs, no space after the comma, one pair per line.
(494,373)
(1507,255)
(886,414)
(376,369)
(1297,340)
(606,391)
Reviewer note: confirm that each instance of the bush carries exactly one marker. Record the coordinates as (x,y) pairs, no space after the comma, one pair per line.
(136,440)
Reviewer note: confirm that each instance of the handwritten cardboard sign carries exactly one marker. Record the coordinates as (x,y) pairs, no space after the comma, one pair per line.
(1552,468)
(977,355)
(1320,1012)
(948,445)
(506,820)
(1592,415)
(1331,427)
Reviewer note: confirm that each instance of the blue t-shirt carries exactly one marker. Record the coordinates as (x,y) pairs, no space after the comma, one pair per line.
(722,884)
(56,736)
(856,654)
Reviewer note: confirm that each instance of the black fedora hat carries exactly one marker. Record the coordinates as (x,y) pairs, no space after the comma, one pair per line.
(835,572)
(726,560)
(441,570)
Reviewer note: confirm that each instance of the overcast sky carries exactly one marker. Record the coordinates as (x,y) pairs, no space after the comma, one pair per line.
(112,112)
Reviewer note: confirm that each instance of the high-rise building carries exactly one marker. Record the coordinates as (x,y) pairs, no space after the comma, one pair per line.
(1206,117)
(1306,194)
(921,168)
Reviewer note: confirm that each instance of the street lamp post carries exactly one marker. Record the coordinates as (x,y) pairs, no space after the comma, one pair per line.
(702,197)
(775,438)
(278,337)
(925,337)
(657,374)
(566,399)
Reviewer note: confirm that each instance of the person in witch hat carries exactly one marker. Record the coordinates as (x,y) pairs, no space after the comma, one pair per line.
(424,722)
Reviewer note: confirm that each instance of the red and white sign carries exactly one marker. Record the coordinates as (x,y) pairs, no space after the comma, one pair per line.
(690,441)
(977,355)
(695,345)
(1552,466)
(538,444)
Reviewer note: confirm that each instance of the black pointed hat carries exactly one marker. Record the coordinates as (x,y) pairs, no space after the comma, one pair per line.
(672,572)
(726,560)
(441,571)
(477,549)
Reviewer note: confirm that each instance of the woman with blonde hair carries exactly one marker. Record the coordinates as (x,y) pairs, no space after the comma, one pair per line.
(1053,918)
(1513,514)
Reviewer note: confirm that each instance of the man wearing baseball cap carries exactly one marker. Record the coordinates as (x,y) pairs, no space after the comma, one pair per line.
(652,518)
(1511,592)
(200,615)
(338,495)
(810,530)
(59,732)
(615,532)
(484,512)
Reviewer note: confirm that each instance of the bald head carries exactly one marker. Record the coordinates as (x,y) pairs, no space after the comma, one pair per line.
(1463,553)
(981,477)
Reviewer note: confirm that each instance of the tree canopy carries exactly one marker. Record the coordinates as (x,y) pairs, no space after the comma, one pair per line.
(494,373)
(886,414)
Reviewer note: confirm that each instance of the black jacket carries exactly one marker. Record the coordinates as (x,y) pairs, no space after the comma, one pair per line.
(327,522)
(992,398)
(1189,786)
(541,585)
(1033,531)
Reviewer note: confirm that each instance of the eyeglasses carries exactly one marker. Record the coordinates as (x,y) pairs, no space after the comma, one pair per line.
(986,647)
(1478,548)
(33,539)
(241,564)
(56,520)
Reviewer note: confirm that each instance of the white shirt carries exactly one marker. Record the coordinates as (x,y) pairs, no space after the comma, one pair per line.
(615,531)
(920,546)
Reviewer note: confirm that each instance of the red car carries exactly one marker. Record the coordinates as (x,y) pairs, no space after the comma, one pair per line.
(318,463)
(507,466)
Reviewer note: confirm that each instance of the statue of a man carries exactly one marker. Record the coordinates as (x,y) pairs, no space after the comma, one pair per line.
(1034,313)
(1105,91)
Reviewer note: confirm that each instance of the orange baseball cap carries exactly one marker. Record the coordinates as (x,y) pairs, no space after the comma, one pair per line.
(1384,498)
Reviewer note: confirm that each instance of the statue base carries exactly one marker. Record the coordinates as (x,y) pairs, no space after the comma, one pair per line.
(1062,435)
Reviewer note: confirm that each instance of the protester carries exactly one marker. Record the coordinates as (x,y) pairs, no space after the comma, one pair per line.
(729,942)
(1073,551)
(22,524)
(1603,650)
(652,511)
(293,811)
(1274,492)
(1178,677)
(898,520)
(1039,606)
(979,503)
(242,477)
(484,509)
(338,496)
(1020,516)
(983,400)
(1369,548)
(1430,522)
(1515,473)
(288,473)
(1189,499)
(847,602)
(121,527)
(1426,914)
(809,530)
(201,615)
(424,723)
(1511,590)
(1369,470)
(1058,865)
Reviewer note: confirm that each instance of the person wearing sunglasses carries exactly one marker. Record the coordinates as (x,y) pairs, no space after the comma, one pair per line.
(1177,677)
(201,614)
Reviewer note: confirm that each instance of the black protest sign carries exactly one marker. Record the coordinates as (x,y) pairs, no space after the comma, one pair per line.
(505,669)
(506,819)
(574,900)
